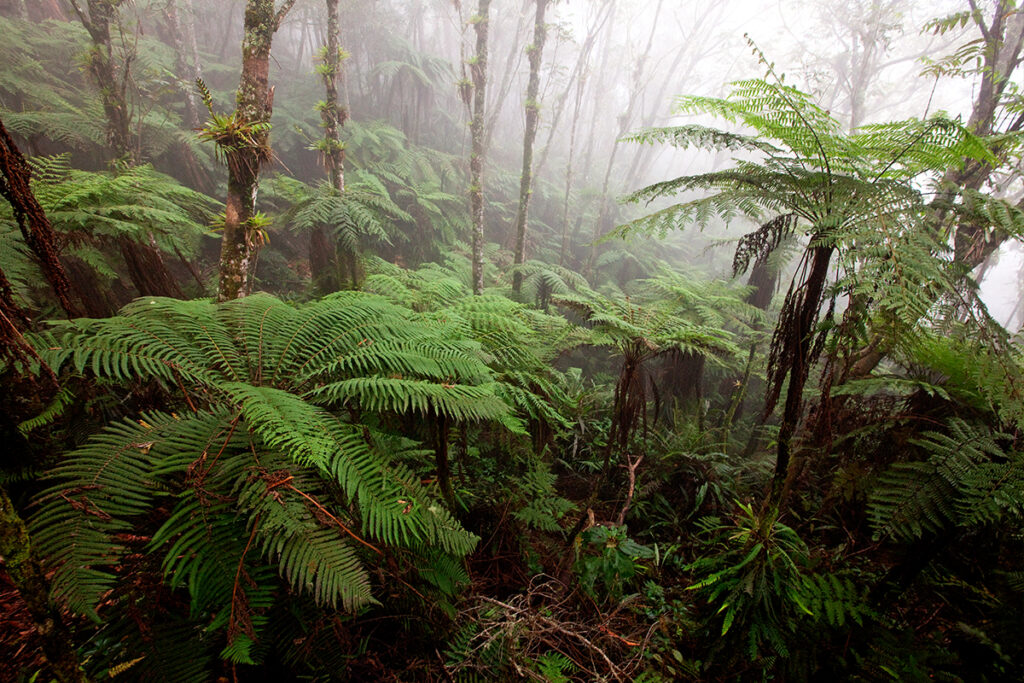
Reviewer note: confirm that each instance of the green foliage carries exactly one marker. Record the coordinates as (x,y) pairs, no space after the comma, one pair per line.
(969,478)
(362,213)
(756,580)
(609,559)
(857,194)
(258,455)
(94,209)
(541,507)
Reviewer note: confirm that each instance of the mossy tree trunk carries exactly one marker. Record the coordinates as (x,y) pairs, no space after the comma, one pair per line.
(146,268)
(16,558)
(110,78)
(28,577)
(247,148)
(185,72)
(532,107)
(188,71)
(322,252)
(478,71)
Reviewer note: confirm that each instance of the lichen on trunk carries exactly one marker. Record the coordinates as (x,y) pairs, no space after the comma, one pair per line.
(246,148)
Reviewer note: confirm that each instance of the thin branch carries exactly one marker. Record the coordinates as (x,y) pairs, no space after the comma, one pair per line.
(282,13)
(979,19)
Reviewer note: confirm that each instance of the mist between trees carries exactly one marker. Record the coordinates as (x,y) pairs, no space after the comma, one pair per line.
(489,340)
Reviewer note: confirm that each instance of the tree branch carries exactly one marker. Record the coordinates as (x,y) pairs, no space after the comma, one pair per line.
(980,21)
(283,12)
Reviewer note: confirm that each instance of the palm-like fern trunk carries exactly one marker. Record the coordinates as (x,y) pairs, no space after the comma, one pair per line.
(35,227)
(792,355)
(532,107)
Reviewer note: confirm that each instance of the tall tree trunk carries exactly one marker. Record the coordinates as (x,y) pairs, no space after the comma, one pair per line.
(248,152)
(600,92)
(478,71)
(577,79)
(532,107)
(14,8)
(504,86)
(145,264)
(184,52)
(563,251)
(111,80)
(625,120)
(186,74)
(322,253)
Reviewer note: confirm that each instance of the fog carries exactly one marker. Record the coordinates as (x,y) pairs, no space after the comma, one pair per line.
(609,68)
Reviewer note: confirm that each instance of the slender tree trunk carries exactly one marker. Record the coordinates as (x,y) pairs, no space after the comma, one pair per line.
(184,52)
(478,72)
(504,87)
(600,93)
(323,254)
(564,249)
(111,80)
(186,74)
(193,45)
(624,123)
(444,470)
(254,104)
(577,79)
(15,8)
(145,264)
(532,107)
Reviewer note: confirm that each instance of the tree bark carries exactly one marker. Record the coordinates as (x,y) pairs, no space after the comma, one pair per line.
(111,79)
(532,107)
(247,148)
(322,253)
(186,74)
(145,264)
(35,228)
(478,72)
(1003,41)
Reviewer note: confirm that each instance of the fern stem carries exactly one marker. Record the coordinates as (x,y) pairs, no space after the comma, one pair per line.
(334,519)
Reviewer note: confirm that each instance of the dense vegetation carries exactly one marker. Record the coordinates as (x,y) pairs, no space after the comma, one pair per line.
(302,382)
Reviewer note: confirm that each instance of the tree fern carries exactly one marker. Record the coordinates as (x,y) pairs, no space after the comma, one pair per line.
(968,479)
(260,477)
